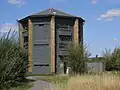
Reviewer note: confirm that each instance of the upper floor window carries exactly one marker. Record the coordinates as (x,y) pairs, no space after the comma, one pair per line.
(65,38)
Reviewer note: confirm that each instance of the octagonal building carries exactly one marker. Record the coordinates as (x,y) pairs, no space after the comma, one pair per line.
(45,36)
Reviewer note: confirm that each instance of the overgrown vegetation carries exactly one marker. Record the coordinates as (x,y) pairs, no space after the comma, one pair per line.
(91,82)
(13,62)
(112,59)
(103,81)
(76,58)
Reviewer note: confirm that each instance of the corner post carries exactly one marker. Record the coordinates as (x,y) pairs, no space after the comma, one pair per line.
(76,32)
(20,35)
(52,44)
(30,45)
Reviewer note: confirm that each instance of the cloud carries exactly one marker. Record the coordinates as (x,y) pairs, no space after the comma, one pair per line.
(110,14)
(57,1)
(16,2)
(115,39)
(94,1)
(8,26)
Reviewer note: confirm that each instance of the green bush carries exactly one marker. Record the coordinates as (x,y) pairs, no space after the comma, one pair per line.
(13,62)
(112,59)
(76,58)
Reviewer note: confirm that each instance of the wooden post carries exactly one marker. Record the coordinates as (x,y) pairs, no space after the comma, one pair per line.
(52,44)
(76,32)
(30,45)
(20,35)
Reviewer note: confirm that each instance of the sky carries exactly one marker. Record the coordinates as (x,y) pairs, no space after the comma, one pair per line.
(102,18)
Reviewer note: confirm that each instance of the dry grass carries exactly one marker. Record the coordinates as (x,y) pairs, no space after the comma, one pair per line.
(91,82)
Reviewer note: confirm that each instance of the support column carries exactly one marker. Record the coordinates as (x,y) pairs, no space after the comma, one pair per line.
(30,45)
(20,35)
(76,32)
(52,44)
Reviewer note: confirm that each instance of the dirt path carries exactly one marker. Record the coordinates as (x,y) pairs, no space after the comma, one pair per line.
(41,85)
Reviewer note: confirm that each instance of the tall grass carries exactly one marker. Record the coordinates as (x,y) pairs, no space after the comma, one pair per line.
(92,82)
(13,61)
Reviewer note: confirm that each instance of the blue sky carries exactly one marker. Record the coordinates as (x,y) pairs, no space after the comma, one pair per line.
(101,29)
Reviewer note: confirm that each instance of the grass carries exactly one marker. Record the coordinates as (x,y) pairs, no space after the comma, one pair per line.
(105,81)
(22,87)
(55,79)
(114,73)
(92,82)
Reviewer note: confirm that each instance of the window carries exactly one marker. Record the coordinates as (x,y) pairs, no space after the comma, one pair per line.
(41,24)
(41,64)
(43,44)
(62,45)
(65,38)
(64,27)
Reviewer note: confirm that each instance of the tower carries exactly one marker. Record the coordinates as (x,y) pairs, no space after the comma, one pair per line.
(45,36)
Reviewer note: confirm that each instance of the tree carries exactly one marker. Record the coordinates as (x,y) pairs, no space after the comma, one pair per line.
(76,58)
(112,59)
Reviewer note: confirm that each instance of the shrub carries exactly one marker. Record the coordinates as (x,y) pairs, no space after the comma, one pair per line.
(112,59)
(76,58)
(13,62)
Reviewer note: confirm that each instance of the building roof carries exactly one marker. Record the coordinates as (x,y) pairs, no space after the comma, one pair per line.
(52,11)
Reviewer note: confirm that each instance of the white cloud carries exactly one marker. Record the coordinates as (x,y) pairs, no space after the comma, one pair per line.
(110,14)
(8,26)
(94,1)
(16,2)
